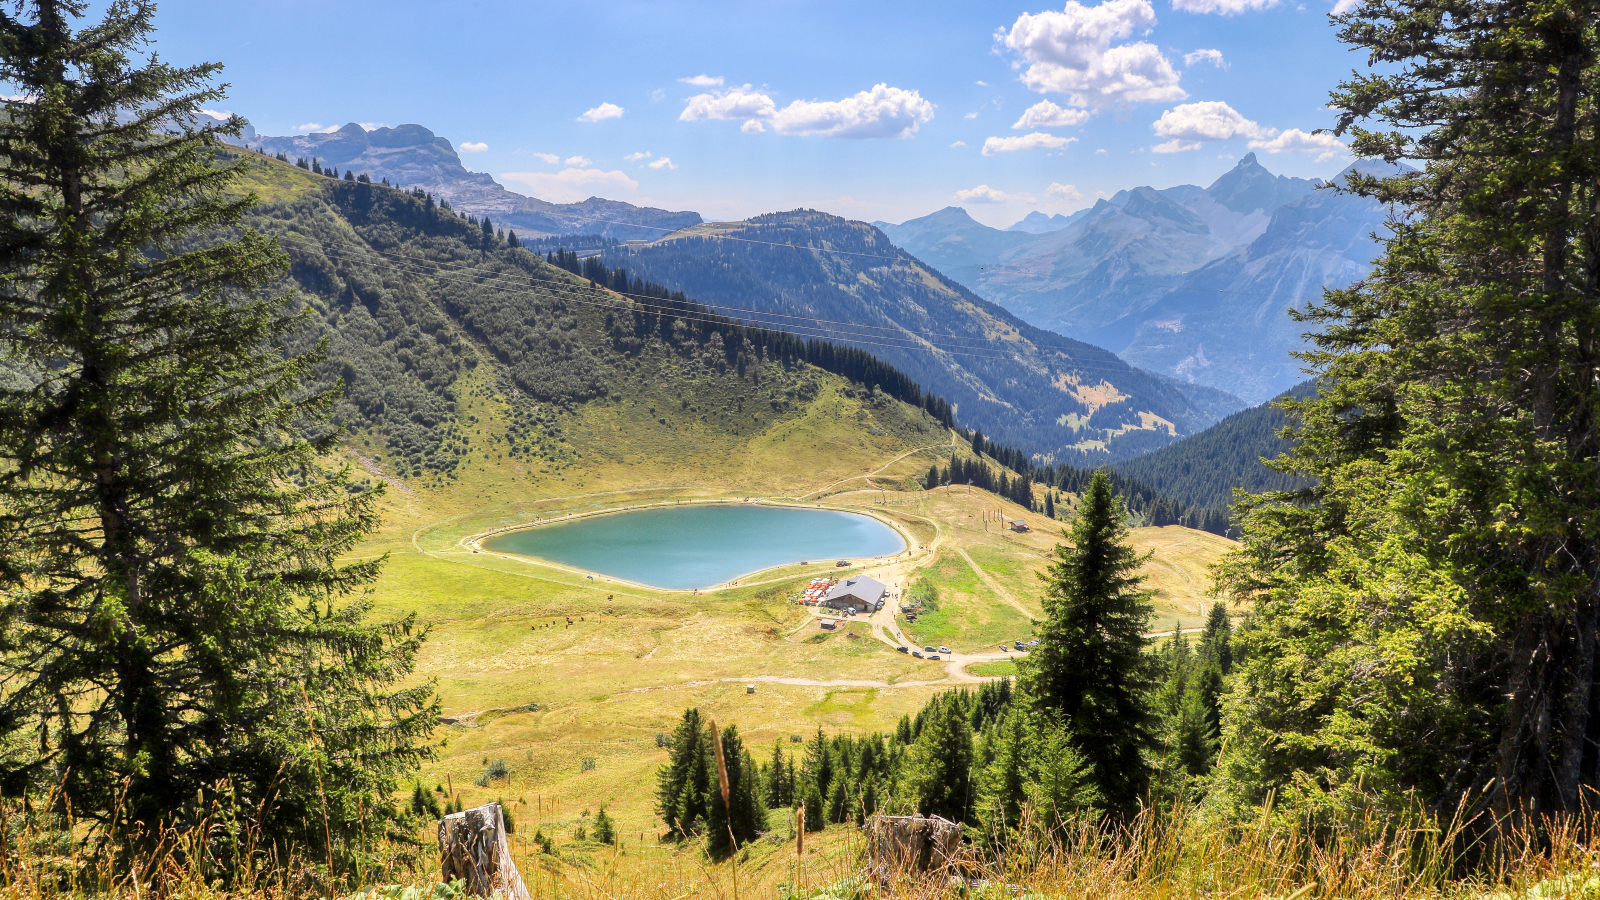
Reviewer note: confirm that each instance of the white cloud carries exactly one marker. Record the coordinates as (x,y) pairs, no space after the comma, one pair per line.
(470,147)
(983,84)
(571,185)
(1059,191)
(581,162)
(983,194)
(1100,152)
(1208,120)
(602,112)
(883,112)
(1211,56)
(738,103)
(1344,6)
(959,144)
(1069,52)
(635,157)
(703,80)
(1034,141)
(213,113)
(371,126)
(971,115)
(664,162)
(1326,146)
(550,158)
(1045,114)
(1223,7)
(309,126)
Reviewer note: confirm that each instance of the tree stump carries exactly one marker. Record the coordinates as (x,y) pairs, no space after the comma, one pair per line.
(472,848)
(910,845)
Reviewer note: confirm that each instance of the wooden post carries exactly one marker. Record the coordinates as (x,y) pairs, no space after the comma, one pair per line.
(472,849)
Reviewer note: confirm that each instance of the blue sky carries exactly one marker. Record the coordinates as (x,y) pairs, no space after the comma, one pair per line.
(872,110)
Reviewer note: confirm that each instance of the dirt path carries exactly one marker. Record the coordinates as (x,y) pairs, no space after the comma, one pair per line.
(993,585)
(868,475)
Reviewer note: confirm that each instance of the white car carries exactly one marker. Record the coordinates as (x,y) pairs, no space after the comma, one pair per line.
(944,650)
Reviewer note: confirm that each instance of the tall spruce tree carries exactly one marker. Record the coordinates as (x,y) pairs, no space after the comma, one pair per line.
(1428,611)
(170,592)
(1089,673)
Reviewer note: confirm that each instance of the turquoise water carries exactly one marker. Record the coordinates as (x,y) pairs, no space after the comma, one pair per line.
(697,546)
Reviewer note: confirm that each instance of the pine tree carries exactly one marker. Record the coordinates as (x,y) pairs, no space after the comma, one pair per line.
(169,534)
(940,766)
(1089,674)
(605,832)
(1452,454)
(681,783)
(777,796)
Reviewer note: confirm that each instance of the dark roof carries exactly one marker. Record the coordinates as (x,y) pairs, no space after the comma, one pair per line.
(869,590)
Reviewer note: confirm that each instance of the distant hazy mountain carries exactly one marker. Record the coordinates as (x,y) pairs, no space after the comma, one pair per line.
(413,156)
(1190,282)
(1038,223)
(1021,385)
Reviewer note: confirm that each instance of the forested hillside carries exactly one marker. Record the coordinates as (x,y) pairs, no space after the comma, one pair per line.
(1051,396)
(1205,469)
(414,298)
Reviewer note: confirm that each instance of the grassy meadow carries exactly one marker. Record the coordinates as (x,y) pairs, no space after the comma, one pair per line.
(570,681)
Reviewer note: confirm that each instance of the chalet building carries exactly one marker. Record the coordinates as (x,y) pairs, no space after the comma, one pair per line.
(860,594)
(1018,525)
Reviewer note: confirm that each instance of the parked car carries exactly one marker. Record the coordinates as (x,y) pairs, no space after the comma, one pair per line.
(842,563)
(1005,648)
(944,649)
(1033,643)
(1021,646)
(902,648)
(917,653)
(929,649)
(933,656)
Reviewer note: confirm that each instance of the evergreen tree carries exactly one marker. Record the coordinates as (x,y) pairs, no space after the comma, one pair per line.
(511,239)
(940,767)
(1089,673)
(605,832)
(777,794)
(1049,505)
(681,783)
(1451,454)
(169,535)
(816,815)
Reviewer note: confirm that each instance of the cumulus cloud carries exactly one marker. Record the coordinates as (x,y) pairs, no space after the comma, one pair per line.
(664,162)
(1036,140)
(309,126)
(1045,114)
(1326,146)
(738,103)
(982,194)
(1209,120)
(550,158)
(635,157)
(602,112)
(471,147)
(971,115)
(213,113)
(703,80)
(883,112)
(1344,6)
(1223,7)
(1211,56)
(1070,52)
(983,83)
(959,144)
(571,185)
(1059,191)
(581,162)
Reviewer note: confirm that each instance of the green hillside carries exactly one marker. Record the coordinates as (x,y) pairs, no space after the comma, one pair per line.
(1203,470)
(1060,399)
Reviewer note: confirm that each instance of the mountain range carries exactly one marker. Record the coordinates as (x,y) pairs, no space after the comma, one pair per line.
(414,157)
(1191,282)
(821,275)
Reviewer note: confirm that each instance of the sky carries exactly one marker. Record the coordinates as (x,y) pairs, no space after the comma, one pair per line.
(870,110)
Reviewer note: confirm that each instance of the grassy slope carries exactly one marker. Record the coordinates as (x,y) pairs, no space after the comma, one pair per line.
(574,710)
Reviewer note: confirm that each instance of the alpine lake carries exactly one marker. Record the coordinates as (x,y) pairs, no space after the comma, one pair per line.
(697,546)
